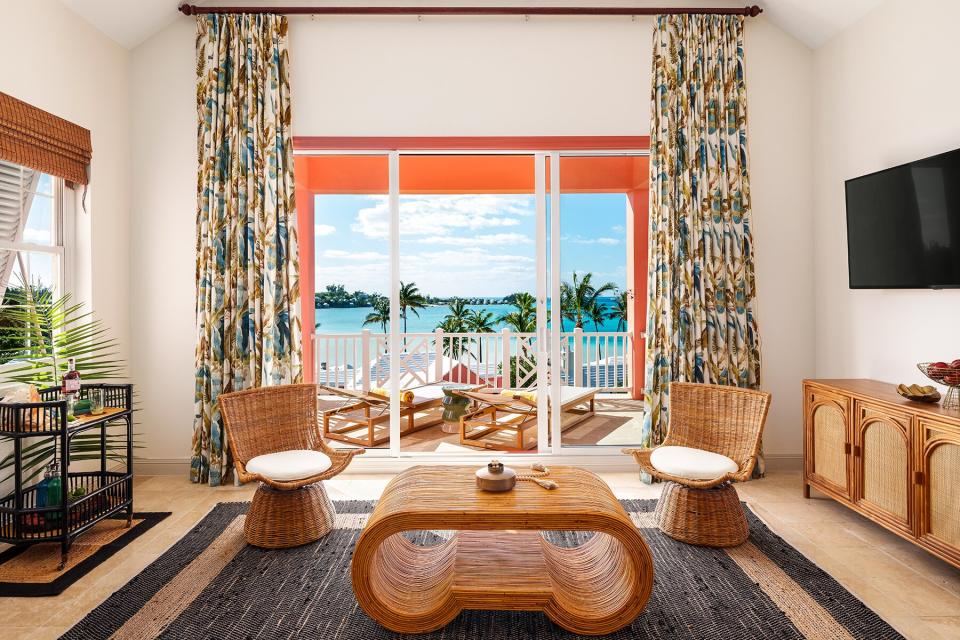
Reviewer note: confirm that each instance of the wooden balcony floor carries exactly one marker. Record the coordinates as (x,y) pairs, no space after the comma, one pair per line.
(617,423)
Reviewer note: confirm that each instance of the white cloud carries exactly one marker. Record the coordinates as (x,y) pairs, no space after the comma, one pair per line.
(468,271)
(324,230)
(371,277)
(439,215)
(339,254)
(581,240)
(444,272)
(484,240)
(618,228)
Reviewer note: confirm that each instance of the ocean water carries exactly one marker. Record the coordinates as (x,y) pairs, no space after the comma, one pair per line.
(350,320)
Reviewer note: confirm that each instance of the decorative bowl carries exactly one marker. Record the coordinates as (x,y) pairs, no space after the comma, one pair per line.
(919,394)
(496,477)
(947,375)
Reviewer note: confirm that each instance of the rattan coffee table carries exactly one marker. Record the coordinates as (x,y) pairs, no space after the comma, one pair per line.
(497,559)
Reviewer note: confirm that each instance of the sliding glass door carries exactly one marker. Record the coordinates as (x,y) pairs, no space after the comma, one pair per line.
(347,198)
(598,273)
(471,278)
(469,303)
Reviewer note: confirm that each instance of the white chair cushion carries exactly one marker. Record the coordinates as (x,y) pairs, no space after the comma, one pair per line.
(289,465)
(692,464)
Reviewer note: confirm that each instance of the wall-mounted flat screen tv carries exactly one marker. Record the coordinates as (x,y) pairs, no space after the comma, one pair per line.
(903,226)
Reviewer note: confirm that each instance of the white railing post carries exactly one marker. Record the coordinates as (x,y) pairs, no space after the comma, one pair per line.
(438,347)
(505,367)
(578,357)
(365,360)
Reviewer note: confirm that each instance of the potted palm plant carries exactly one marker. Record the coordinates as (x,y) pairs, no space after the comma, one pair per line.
(38,333)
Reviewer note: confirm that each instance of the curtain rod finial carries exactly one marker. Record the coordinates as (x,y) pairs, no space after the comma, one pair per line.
(187,9)
(753,11)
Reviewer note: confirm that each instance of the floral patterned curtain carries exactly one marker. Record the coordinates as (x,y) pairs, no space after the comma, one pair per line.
(248,311)
(700,318)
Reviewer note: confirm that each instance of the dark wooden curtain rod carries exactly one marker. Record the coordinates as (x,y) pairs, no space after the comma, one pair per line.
(751,11)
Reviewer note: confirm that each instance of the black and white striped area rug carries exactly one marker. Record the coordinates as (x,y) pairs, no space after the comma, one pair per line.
(211,584)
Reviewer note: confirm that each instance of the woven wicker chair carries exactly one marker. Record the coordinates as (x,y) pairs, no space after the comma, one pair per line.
(286,511)
(717,420)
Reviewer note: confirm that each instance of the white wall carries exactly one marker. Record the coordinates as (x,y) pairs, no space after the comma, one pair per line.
(780,127)
(471,76)
(461,76)
(886,94)
(164,177)
(56,61)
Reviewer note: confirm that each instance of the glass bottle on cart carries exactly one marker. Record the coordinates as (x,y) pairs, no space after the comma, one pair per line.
(70,386)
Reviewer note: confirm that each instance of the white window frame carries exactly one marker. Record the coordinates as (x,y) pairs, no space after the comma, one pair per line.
(63,231)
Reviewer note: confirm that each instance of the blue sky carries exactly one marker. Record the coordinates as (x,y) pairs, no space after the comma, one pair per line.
(467,245)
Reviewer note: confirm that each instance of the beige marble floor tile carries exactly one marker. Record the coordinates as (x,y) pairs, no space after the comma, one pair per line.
(945,626)
(918,594)
(919,628)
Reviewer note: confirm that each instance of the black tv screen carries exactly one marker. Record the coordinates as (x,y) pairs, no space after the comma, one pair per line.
(903,226)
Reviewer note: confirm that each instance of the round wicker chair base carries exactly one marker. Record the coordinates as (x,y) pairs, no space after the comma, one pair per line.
(704,517)
(283,519)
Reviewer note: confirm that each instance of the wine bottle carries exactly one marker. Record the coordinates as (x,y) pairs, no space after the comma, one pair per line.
(71,379)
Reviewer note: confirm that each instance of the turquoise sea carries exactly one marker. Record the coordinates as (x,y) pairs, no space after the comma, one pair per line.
(350,320)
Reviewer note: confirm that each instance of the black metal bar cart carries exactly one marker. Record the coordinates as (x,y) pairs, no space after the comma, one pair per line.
(98,491)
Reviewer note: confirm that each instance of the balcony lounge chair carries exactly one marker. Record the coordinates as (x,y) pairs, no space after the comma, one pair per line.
(507,420)
(713,440)
(364,417)
(275,440)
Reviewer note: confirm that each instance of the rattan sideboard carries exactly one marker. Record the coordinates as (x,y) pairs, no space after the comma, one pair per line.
(893,460)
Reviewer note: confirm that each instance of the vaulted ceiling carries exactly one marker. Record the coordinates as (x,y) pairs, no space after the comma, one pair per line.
(813,22)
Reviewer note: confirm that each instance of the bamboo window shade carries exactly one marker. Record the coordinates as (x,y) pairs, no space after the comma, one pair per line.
(34,138)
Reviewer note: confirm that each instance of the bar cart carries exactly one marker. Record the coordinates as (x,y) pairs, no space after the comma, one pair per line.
(88,496)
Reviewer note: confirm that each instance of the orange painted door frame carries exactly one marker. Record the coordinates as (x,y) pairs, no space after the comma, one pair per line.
(329,174)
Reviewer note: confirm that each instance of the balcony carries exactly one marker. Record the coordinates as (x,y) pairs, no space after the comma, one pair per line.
(592,361)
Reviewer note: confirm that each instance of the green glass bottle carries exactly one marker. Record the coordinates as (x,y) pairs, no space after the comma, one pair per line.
(54,492)
(42,488)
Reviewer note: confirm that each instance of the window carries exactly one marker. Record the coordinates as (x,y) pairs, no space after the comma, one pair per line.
(31,228)
(31,235)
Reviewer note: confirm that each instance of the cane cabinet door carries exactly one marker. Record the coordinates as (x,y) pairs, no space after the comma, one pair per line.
(938,482)
(882,469)
(828,441)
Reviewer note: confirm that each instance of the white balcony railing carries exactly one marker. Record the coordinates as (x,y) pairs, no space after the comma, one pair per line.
(361,360)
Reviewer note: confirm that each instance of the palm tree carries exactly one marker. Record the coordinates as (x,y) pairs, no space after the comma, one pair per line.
(410,299)
(458,319)
(597,313)
(578,298)
(452,346)
(620,311)
(524,319)
(380,314)
(481,322)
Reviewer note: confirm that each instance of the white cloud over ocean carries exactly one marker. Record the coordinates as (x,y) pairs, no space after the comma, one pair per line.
(442,215)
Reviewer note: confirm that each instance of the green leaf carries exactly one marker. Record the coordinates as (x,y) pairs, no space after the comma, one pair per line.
(38,332)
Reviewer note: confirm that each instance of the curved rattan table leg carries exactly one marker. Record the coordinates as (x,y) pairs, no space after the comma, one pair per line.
(282,519)
(593,589)
(705,517)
